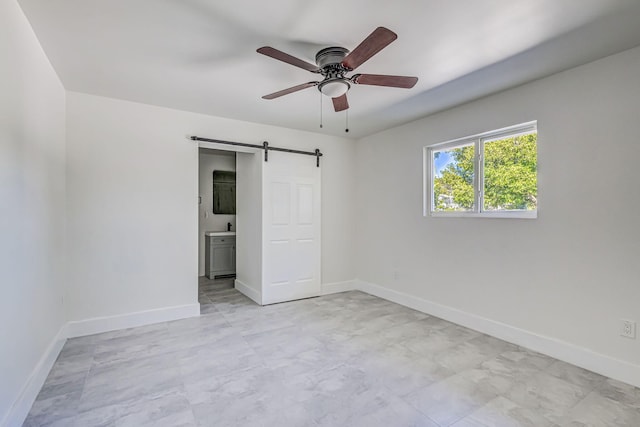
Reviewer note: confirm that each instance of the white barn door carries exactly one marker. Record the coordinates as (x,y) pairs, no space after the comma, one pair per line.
(291,227)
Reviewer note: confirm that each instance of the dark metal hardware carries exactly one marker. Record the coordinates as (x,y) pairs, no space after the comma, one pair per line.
(265,146)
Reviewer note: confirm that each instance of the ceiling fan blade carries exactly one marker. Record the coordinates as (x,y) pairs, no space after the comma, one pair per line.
(340,103)
(374,43)
(285,57)
(289,90)
(384,80)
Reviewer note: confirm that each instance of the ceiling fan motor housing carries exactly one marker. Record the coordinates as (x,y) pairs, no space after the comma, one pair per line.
(329,61)
(331,57)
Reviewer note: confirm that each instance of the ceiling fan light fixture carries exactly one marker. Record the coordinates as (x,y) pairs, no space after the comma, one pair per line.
(334,88)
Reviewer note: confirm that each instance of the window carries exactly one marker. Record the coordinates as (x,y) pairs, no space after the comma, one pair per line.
(493,174)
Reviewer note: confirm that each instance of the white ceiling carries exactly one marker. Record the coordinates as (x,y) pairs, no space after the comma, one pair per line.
(200,55)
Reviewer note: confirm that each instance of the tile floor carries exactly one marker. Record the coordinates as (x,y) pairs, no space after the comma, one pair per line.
(346,359)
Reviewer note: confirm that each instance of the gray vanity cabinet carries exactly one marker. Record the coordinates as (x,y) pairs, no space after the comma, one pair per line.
(220,255)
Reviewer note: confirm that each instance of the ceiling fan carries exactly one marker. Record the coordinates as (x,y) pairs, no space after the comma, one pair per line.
(333,63)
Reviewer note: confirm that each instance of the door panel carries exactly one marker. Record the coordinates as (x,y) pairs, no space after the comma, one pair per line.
(222,257)
(304,269)
(281,203)
(278,251)
(305,204)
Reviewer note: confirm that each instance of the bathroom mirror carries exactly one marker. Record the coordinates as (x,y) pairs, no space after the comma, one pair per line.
(224,192)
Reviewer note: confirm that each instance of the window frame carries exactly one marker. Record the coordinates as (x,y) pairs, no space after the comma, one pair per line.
(477,141)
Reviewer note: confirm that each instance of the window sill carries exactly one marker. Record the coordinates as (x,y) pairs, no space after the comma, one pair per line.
(500,214)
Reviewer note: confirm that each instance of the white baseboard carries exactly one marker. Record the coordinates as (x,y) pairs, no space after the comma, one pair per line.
(98,325)
(336,287)
(561,350)
(22,405)
(326,289)
(247,290)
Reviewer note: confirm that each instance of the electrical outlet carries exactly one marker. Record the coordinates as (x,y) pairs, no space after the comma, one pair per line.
(628,329)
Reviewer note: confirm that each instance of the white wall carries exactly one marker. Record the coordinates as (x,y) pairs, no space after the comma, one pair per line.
(208,162)
(133,223)
(569,275)
(249,220)
(32,211)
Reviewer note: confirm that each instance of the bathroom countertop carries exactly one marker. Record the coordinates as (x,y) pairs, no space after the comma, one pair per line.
(220,233)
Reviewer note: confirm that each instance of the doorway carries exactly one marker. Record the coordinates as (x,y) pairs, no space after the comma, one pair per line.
(216,226)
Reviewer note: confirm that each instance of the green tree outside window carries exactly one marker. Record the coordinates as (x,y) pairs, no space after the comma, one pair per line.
(510,176)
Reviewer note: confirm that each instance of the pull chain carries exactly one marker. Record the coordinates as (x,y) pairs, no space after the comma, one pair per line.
(346,129)
(320,110)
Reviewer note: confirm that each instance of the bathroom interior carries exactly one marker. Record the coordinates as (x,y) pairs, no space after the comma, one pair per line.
(217,218)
